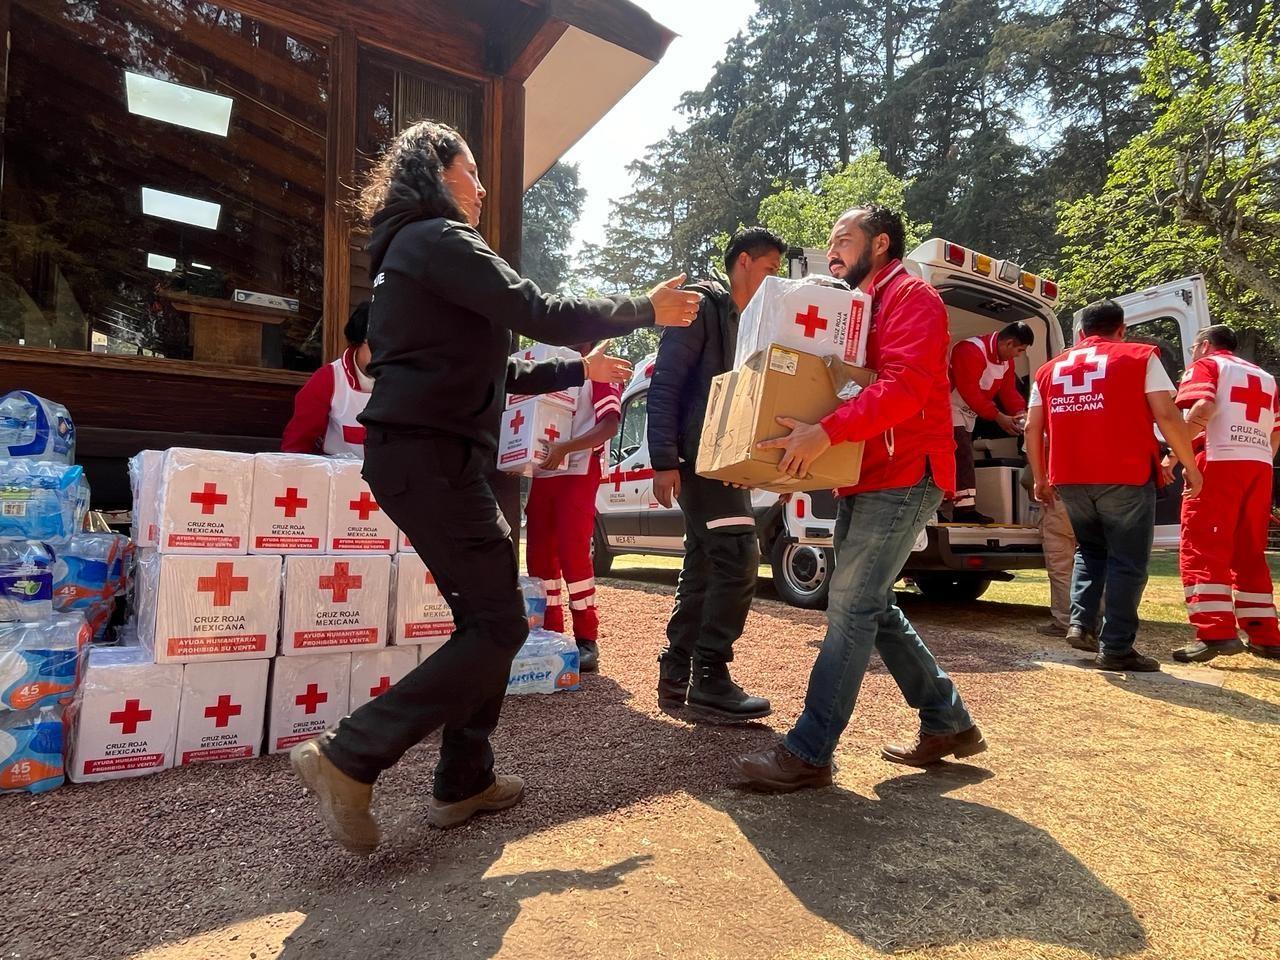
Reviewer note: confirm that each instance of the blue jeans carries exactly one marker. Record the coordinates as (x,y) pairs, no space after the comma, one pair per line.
(873,538)
(1114,525)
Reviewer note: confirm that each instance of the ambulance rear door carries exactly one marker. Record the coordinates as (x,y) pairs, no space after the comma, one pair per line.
(1166,316)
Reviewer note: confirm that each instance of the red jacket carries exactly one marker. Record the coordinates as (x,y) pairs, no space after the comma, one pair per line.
(304,433)
(969,363)
(905,416)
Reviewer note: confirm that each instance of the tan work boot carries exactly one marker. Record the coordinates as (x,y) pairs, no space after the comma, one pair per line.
(930,748)
(344,802)
(505,791)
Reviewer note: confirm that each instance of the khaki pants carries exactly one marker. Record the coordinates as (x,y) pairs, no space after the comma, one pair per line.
(1059,559)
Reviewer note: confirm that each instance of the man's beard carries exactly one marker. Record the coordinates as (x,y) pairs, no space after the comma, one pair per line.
(855,274)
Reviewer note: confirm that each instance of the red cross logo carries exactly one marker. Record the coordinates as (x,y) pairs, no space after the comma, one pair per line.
(552,433)
(518,420)
(209,498)
(341,582)
(1080,370)
(811,322)
(291,503)
(130,716)
(365,505)
(384,684)
(616,478)
(311,700)
(1253,398)
(528,354)
(222,584)
(222,711)
(430,580)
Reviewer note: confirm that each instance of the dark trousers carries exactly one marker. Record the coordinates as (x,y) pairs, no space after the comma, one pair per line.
(966,473)
(437,490)
(718,578)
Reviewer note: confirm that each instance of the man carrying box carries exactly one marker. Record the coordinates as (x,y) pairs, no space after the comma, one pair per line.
(908,463)
(984,385)
(721,551)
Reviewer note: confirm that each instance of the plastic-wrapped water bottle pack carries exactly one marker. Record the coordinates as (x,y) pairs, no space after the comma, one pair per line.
(26,581)
(547,663)
(31,426)
(535,601)
(41,500)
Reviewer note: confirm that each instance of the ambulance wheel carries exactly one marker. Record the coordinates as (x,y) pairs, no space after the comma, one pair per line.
(802,573)
(951,587)
(601,558)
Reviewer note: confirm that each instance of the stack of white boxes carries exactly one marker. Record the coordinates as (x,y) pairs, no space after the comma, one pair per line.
(264,602)
(532,424)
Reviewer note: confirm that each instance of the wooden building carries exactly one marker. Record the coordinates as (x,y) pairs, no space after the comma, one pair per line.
(177,247)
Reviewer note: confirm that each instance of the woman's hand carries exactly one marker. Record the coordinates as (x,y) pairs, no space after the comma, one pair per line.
(603,369)
(673,307)
(555,457)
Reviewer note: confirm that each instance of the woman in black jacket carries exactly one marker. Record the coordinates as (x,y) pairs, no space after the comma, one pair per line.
(444,307)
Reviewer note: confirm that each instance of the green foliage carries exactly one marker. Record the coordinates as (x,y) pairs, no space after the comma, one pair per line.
(551,210)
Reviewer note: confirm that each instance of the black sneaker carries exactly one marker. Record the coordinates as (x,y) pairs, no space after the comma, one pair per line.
(714,696)
(1202,651)
(1131,662)
(673,683)
(588,656)
(970,515)
(1082,639)
(1267,651)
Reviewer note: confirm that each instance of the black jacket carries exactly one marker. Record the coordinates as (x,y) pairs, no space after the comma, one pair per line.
(440,323)
(688,359)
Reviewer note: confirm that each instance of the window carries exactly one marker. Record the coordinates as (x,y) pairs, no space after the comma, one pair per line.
(163,183)
(631,436)
(1166,334)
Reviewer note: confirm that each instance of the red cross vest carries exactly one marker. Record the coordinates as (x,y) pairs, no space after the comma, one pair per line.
(1244,412)
(344,436)
(1099,425)
(992,376)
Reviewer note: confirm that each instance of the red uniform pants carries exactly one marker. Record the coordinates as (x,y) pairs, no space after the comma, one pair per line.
(561,515)
(1223,555)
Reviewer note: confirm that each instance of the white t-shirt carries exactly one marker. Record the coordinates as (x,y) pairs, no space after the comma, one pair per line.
(1157,382)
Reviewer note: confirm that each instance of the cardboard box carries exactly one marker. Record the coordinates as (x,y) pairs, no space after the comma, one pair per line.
(204,501)
(812,316)
(290,513)
(539,353)
(208,608)
(124,719)
(335,604)
(743,408)
(223,707)
(374,672)
(356,523)
(404,546)
(308,696)
(420,612)
(144,479)
(527,432)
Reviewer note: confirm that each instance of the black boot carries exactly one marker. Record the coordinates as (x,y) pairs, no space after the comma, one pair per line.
(673,682)
(588,656)
(714,696)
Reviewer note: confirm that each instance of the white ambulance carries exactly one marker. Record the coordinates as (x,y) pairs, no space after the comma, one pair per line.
(957,561)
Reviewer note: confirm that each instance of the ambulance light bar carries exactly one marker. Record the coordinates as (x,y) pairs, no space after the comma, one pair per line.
(954,254)
(1049,289)
(982,264)
(1027,281)
(1010,271)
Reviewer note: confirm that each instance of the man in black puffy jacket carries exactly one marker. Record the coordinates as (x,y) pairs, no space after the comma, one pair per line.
(722,554)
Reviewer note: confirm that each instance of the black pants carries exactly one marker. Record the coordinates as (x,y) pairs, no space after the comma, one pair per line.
(437,491)
(718,579)
(966,473)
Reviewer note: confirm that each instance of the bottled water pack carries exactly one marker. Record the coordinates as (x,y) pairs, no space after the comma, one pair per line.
(26,581)
(41,500)
(31,750)
(40,662)
(534,592)
(547,663)
(31,426)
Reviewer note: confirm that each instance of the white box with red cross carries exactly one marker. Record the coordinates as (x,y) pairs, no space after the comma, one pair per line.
(539,353)
(208,608)
(528,430)
(335,604)
(806,315)
(419,612)
(204,501)
(356,523)
(124,719)
(374,672)
(308,696)
(290,512)
(224,705)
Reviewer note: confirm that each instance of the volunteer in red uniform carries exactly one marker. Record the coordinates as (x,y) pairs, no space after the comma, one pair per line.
(325,409)
(561,515)
(984,385)
(908,464)
(1095,408)
(1224,530)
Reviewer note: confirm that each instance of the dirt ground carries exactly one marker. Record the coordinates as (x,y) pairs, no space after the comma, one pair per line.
(1114,816)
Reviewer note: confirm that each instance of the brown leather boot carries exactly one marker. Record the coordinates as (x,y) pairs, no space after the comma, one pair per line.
(344,802)
(778,770)
(506,791)
(930,748)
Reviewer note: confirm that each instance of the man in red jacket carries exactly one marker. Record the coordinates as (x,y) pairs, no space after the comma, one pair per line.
(325,409)
(1095,407)
(908,464)
(984,385)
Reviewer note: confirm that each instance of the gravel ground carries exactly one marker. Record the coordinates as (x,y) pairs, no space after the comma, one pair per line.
(1091,838)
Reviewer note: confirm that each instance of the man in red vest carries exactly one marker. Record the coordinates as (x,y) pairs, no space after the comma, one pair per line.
(908,464)
(1095,407)
(1224,532)
(985,385)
